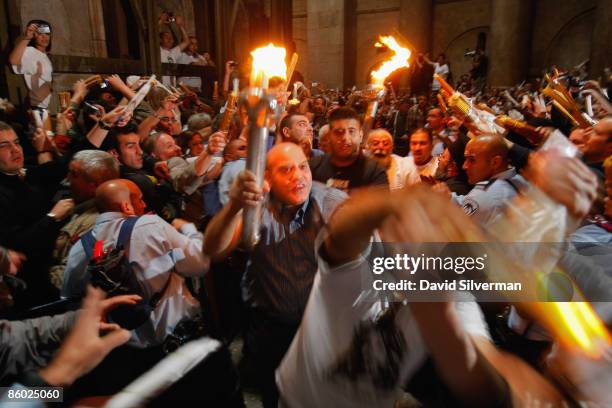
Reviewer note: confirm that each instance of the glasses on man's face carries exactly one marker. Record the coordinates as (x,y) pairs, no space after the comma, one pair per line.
(167,119)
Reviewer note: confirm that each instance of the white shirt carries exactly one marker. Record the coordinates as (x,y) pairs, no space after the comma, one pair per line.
(40,91)
(314,371)
(398,172)
(441,70)
(417,170)
(171,56)
(156,251)
(192,82)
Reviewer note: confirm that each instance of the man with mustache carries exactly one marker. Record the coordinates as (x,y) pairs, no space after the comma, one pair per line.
(282,265)
(346,168)
(380,148)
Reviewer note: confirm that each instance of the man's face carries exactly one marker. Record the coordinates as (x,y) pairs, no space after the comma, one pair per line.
(196,145)
(435,119)
(421,147)
(168,123)
(109,98)
(41,40)
(81,188)
(345,138)
(11,152)
(380,147)
(422,102)
(477,164)
(136,198)
(289,177)
(608,200)
(130,153)
(598,144)
(166,40)
(166,147)
(300,133)
(236,149)
(318,106)
(193,45)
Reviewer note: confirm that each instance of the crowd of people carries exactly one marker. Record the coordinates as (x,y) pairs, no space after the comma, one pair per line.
(145,204)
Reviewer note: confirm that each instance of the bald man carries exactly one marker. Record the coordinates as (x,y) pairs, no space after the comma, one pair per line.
(380,147)
(161,255)
(282,266)
(495,181)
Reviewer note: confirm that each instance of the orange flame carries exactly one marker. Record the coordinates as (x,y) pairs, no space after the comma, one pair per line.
(268,61)
(399,59)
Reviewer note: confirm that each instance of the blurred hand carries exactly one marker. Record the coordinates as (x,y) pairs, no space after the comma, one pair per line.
(161,170)
(16,259)
(114,116)
(38,139)
(229,66)
(115,81)
(80,89)
(170,102)
(84,348)
(217,142)
(178,223)
(245,191)
(179,21)
(564,179)
(62,208)
(30,30)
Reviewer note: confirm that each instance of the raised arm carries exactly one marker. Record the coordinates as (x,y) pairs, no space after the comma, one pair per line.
(223,232)
(22,43)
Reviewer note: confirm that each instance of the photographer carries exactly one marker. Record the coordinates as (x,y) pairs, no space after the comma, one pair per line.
(29,58)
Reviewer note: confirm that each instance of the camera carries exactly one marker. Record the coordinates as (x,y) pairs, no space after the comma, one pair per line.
(43,29)
(171,17)
(185,331)
(469,53)
(233,64)
(104,84)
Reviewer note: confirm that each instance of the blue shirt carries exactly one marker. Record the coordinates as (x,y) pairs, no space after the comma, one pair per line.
(229,173)
(283,264)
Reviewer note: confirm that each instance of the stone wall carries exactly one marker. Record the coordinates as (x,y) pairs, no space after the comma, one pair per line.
(561,32)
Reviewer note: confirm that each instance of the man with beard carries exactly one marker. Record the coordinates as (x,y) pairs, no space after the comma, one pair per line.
(422,163)
(346,168)
(282,265)
(380,148)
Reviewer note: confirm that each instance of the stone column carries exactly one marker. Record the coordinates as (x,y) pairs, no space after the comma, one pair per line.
(601,44)
(510,41)
(325,38)
(416,23)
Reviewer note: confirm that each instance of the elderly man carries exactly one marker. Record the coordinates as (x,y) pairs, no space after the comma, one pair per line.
(282,265)
(88,169)
(380,148)
(188,176)
(346,168)
(297,129)
(421,162)
(495,182)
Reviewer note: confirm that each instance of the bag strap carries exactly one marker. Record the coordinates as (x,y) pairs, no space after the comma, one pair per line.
(88,241)
(125,233)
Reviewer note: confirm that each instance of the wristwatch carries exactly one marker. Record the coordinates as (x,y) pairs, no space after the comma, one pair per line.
(104,126)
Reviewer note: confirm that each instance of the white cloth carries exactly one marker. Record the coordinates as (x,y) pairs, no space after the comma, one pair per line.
(171,56)
(399,171)
(441,70)
(40,91)
(156,251)
(315,371)
(192,82)
(416,171)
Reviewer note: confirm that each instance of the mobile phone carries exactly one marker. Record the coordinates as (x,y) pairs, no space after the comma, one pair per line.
(93,107)
(44,29)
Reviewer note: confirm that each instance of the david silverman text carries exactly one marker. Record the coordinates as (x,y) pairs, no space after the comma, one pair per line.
(464,284)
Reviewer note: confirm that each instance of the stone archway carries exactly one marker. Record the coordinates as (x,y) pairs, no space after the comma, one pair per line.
(456,48)
(571,45)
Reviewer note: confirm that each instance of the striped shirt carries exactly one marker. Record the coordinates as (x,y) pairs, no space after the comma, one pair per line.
(283,264)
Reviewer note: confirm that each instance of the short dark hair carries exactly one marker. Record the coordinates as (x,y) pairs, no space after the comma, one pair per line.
(343,113)
(5,126)
(112,139)
(426,131)
(32,42)
(286,121)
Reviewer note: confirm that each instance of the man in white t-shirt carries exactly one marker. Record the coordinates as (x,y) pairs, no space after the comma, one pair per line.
(171,54)
(29,58)
(352,350)
(421,162)
(441,68)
